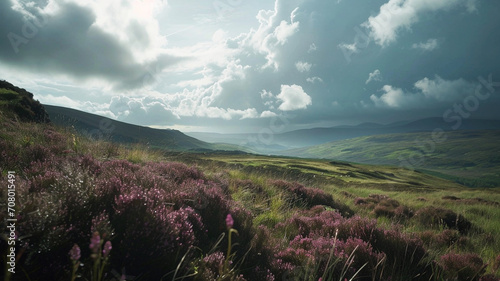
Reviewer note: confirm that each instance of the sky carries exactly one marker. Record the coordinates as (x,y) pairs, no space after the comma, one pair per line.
(234,66)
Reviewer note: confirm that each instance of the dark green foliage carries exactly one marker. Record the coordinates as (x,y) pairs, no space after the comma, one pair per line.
(21,103)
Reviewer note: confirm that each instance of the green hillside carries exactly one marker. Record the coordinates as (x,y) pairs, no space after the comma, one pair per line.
(99,127)
(19,103)
(469,157)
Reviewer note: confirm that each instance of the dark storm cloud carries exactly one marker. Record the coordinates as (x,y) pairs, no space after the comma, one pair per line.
(68,42)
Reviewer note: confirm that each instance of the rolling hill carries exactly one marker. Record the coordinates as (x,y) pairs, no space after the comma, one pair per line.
(469,157)
(99,127)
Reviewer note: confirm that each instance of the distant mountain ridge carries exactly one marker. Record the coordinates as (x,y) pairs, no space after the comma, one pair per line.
(97,126)
(315,136)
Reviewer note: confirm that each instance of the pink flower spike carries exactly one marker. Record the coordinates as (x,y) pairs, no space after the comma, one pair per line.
(74,253)
(107,248)
(229,221)
(95,242)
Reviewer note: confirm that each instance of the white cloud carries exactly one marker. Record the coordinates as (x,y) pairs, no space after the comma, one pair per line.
(271,35)
(142,111)
(303,66)
(349,48)
(427,91)
(445,90)
(285,30)
(268,114)
(293,97)
(430,45)
(374,76)
(59,101)
(396,15)
(314,79)
(392,97)
(266,94)
(226,114)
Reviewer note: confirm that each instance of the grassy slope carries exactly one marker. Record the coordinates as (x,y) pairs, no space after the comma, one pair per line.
(348,181)
(100,126)
(463,156)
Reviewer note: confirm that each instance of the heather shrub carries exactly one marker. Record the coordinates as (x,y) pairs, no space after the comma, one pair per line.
(153,243)
(211,266)
(406,255)
(154,213)
(382,205)
(436,217)
(402,256)
(177,172)
(496,263)
(447,238)
(311,196)
(462,267)
(263,248)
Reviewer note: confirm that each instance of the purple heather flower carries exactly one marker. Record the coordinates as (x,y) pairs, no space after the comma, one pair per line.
(95,242)
(74,253)
(229,221)
(107,248)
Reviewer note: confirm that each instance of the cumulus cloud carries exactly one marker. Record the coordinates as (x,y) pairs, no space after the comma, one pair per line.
(227,114)
(376,75)
(141,111)
(268,114)
(392,97)
(445,90)
(303,66)
(272,34)
(427,91)
(430,45)
(293,97)
(101,41)
(266,94)
(397,15)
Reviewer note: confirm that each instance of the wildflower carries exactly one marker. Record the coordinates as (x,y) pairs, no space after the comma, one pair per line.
(74,253)
(95,242)
(229,221)
(107,248)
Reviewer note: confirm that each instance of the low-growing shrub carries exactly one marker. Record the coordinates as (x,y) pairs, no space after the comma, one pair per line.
(436,217)
(462,267)
(382,205)
(311,196)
